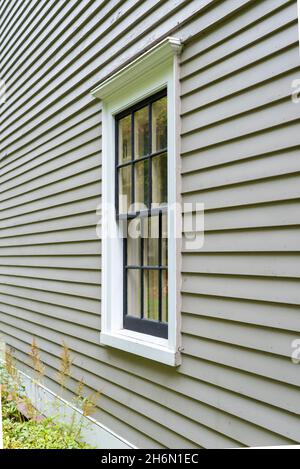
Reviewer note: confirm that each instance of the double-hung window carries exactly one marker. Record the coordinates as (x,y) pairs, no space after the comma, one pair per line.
(142,196)
(298,5)
(140,218)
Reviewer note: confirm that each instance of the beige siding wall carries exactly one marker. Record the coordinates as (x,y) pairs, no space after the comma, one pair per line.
(240,156)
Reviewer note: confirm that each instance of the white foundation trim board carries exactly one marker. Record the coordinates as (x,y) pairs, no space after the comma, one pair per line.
(93,432)
(50,404)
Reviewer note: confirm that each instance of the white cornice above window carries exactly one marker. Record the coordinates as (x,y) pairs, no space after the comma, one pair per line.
(161,53)
(299,20)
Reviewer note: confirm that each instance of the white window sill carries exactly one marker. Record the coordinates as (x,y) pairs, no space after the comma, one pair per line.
(143,345)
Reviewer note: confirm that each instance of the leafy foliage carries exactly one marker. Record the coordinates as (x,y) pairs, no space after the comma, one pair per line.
(34,431)
(44,434)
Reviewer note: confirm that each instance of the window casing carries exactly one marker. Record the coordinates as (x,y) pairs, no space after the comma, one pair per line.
(141,179)
(153,72)
(298,6)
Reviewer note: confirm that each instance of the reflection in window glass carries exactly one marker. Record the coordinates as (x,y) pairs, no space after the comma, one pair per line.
(124,189)
(160,179)
(159,125)
(141,132)
(133,289)
(151,289)
(164,296)
(164,240)
(133,245)
(125,139)
(151,241)
(141,184)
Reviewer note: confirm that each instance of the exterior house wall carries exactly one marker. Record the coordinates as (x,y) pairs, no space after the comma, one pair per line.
(240,145)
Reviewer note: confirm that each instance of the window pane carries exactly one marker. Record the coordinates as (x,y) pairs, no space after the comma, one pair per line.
(134,292)
(124,189)
(151,288)
(125,139)
(141,132)
(151,241)
(164,241)
(164,306)
(159,125)
(141,184)
(133,243)
(160,179)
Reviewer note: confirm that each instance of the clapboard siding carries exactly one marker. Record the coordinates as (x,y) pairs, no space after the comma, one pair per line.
(68,236)
(280,19)
(240,157)
(202,412)
(271,265)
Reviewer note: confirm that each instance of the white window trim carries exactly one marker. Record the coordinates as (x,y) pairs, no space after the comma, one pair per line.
(298,4)
(151,72)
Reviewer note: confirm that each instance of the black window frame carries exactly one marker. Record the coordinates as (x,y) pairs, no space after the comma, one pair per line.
(143,325)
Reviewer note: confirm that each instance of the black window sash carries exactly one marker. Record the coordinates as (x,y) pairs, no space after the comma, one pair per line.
(143,325)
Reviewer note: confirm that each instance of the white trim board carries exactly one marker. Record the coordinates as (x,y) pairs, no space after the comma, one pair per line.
(49,404)
(298,3)
(142,65)
(1,426)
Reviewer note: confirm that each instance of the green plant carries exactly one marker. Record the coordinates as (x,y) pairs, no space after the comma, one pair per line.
(33,431)
(37,363)
(65,366)
(20,432)
(44,434)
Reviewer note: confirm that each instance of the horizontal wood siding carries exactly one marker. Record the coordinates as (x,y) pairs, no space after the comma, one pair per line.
(240,147)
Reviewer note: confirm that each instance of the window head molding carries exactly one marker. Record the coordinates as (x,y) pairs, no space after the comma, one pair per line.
(148,74)
(298,6)
(143,65)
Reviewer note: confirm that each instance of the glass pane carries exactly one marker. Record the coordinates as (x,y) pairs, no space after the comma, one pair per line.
(159,125)
(141,184)
(151,288)
(134,292)
(151,241)
(124,189)
(133,244)
(125,139)
(164,306)
(141,132)
(164,256)
(160,179)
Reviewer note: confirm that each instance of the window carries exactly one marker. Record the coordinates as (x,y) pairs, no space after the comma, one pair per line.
(298,4)
(140,304)
(142,196)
